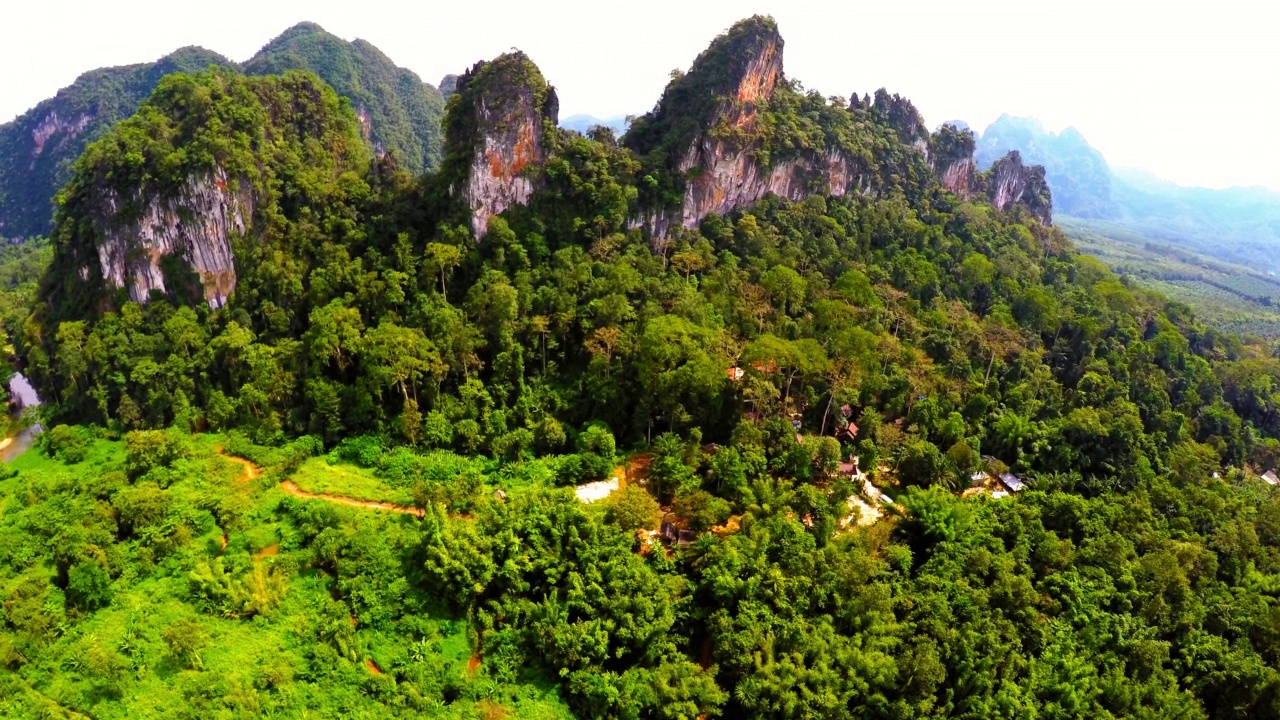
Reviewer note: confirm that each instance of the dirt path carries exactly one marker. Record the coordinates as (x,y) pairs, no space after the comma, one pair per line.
(266,552)
(251,471)
(292,488)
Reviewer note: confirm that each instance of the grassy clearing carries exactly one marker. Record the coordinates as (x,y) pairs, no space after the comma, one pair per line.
(321,477)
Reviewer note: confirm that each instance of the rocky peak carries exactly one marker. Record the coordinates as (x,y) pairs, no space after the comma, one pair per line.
(706,129)
(723,89)
(448,85)
(900,114)
(1009,182)
(950,155)
(759,56)
(494,133)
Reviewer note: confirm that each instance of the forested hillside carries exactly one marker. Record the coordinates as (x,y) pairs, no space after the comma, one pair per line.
(315,423)
(396,109)
(38,148)
(397,112)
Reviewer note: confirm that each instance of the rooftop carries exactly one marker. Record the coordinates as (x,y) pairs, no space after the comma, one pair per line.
(1013,482)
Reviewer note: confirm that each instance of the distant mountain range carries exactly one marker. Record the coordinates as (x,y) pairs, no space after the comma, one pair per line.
(396,109)
(1241,225)
(582,123)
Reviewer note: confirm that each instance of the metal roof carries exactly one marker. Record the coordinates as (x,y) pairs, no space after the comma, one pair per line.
(1013,482)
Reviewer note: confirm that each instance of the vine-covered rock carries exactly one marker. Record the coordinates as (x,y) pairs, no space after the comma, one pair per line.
(159,204)
(494,132)
(1009,182)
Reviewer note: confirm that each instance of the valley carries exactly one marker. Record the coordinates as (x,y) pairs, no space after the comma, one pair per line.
(1232,298)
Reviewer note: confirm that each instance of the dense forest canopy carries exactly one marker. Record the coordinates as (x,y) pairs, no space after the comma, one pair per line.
(752,364)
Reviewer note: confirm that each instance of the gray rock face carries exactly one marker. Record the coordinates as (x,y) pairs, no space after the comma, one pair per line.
(729,179)
(505,101)
(448,85)
(497,180)
(950,154)
(53,125)
(957,177)
(1010,182)
(196,226)
(726,176)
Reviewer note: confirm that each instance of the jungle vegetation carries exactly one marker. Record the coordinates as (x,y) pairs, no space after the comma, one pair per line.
(165,552)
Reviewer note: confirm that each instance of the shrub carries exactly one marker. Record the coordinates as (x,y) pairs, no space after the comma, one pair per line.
(68,443)
(364,450)
(88,586)
(633,508)
(701,509)
(146,450)
(570,471)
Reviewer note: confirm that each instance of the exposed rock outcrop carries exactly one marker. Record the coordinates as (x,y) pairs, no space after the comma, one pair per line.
(1009,182)
(951,158)
(195,226)
(720,99)
(900,114)
(495,127)
(53,125)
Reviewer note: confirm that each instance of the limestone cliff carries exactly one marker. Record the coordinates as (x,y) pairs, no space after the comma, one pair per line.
(39,148)
(951,158)
(194,215)
(196,225)
(714,126)
(724,173)
(494,133)
(53,126)
(1009,182)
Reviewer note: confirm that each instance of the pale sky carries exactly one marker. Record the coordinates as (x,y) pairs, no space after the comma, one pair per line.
(1187,90)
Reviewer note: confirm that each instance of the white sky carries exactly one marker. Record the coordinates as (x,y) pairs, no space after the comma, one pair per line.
(1187,90)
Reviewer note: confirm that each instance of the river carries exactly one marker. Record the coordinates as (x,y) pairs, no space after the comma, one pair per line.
(25,396)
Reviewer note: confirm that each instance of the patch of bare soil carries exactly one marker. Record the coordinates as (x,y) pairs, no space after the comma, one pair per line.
(266,552)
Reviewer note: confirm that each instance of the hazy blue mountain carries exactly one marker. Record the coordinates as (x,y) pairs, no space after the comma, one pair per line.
(1077,173)
(1237,224)
(1241,225)
(582,123)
